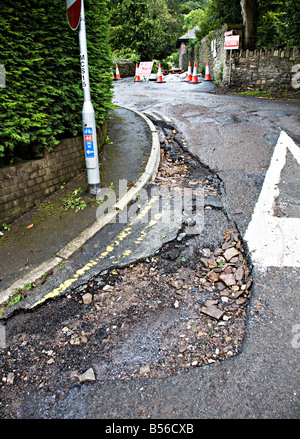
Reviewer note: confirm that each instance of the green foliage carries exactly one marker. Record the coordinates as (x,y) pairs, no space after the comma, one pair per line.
(278,23)
(278,20)
(126,54)
(170,60)
(189,5)
(42,101)
(131,26)
(74,201)
(149,29)
(193,19)
(270,30)
(291,21)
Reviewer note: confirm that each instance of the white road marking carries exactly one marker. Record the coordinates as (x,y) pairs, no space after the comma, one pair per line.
(272,241)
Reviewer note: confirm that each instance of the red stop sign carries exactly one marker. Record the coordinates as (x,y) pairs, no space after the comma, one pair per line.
(73,8)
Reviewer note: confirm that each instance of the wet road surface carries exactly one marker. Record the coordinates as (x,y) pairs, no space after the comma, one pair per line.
(235,139)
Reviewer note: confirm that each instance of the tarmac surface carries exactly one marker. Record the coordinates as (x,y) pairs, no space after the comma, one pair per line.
(59,220)
(262,381)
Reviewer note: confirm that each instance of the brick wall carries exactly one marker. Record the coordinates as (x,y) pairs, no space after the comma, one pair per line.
(25,184)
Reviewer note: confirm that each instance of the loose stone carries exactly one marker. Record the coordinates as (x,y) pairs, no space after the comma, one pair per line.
(88,376)
(213,312)
(145,369)
(214,277)
(239,274)
(211,302)
(230,253)
(228,279)
(10,378)
(87,298)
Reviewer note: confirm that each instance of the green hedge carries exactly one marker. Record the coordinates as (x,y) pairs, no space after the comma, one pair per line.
(42,100)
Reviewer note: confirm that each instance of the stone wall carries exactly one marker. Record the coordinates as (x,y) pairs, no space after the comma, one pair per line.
(183,60)
(26,184)
(258,69)
(262,69)
(126,68)
(211,48)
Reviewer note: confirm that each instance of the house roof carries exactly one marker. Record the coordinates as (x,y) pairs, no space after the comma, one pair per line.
(190,35)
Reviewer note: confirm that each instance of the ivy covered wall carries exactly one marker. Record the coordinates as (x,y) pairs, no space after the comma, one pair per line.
(42,100)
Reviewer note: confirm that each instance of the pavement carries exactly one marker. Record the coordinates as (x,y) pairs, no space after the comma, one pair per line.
(43,240)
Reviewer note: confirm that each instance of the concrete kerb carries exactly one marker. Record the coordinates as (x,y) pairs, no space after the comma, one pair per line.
(70,248)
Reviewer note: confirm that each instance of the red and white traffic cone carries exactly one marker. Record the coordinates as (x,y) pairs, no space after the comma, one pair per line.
(189,73)
(207,74)
(195,75)
(137,75)
(118,76)
(159,75)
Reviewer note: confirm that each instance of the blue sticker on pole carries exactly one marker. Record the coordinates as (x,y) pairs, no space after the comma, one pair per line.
(89,143)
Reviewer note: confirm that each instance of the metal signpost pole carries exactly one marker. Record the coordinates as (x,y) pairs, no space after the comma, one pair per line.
(231,42)
(88,114)
(230,67)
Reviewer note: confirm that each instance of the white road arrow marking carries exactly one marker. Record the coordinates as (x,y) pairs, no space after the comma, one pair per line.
(272,241)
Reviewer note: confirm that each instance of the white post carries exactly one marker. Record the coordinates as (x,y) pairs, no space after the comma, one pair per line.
(88,114)
(230,68)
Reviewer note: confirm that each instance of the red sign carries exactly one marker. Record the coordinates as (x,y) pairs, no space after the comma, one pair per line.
(145,68)
(232,42)
(73,8)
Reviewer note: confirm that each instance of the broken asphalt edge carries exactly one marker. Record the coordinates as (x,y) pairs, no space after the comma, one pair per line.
(69,249)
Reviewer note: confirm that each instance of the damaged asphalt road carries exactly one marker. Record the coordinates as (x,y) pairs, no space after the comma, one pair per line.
(199,332)
(182,305)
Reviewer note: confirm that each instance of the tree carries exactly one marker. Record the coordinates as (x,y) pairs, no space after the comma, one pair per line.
(189,5)
(147,29)
(192,19)
(250,17)
(278,22)
(266,22)
(217,13)
(291,22)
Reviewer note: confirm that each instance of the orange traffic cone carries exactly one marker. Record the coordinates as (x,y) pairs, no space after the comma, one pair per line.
(159,75)
(207,75)
(137,75)
(189,73)
(118,76)
(195,76)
